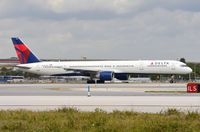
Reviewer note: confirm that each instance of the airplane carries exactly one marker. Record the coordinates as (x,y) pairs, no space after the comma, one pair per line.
(97,71)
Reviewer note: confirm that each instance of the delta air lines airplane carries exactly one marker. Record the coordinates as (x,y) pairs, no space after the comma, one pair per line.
(96,70)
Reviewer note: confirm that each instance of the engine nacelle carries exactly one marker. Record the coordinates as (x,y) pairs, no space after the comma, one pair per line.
(106,75)
(122,76)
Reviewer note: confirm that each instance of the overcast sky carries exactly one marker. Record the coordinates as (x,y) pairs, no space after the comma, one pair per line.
(103,29)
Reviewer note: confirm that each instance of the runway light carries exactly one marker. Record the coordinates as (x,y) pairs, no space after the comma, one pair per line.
(88,89)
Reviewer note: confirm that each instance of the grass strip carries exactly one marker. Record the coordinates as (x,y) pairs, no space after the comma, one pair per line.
(73,120)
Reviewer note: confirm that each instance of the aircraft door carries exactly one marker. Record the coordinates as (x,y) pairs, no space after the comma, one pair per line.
(38,68)
(173,67)
(141,66)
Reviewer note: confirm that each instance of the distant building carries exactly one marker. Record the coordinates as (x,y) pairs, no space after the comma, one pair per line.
(9,62)
(11,79)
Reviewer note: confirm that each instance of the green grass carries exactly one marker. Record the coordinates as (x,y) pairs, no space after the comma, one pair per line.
(71,120)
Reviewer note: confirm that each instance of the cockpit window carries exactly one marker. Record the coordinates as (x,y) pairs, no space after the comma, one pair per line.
(184,66)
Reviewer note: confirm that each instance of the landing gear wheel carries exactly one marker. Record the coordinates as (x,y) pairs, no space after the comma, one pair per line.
(90,81)
(100,81)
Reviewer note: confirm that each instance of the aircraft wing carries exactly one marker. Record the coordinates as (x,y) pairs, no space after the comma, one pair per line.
(80,70)
(88,70)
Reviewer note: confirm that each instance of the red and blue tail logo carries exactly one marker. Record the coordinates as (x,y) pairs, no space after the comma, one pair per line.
(23,52)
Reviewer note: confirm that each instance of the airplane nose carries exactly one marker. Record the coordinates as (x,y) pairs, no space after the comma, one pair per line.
(189,70)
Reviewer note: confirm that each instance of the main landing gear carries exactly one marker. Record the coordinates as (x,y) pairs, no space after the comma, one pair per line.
(90,81)
(100,81)
(97,81)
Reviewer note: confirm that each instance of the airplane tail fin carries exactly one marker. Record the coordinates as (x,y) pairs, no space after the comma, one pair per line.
(23,52)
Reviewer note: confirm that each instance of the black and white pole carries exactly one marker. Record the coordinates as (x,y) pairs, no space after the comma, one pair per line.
(88,89)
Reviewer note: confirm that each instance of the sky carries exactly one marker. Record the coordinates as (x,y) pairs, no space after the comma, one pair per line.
(103,29)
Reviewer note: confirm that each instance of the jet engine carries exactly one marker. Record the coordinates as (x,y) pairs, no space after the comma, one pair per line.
(106,75)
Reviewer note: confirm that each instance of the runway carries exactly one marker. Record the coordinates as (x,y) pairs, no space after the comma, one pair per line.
(108,97)
(96,89)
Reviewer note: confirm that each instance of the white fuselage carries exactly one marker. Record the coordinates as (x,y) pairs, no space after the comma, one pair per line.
(141,66)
